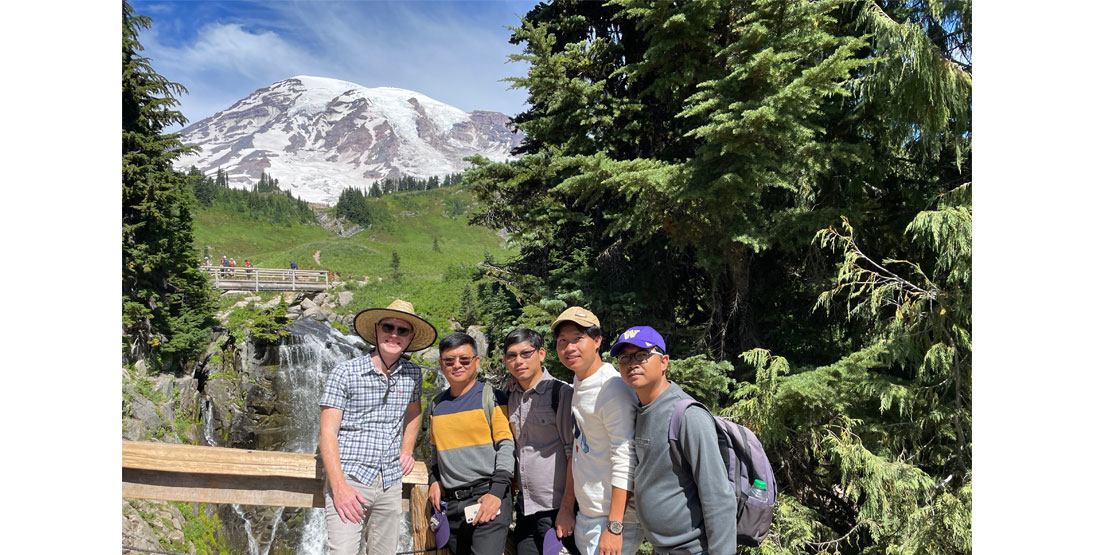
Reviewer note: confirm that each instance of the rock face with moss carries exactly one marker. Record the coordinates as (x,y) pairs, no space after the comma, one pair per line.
(241,393)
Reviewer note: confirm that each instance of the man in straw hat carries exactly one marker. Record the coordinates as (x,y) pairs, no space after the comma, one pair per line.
(370,415)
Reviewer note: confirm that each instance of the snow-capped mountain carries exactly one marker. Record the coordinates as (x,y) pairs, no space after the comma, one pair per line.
(318,136)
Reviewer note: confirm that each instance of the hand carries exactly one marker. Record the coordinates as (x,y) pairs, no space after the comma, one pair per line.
(349,503)
(407,461)
(565,522)
(435,491)
(490,504)
(610,544)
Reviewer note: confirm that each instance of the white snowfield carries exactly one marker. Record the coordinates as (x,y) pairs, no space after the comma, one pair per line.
(319,136)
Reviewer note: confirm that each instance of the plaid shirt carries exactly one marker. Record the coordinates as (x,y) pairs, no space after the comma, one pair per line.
(372,425)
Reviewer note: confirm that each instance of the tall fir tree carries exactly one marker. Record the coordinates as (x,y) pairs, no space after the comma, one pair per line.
(681,158)
(167,303)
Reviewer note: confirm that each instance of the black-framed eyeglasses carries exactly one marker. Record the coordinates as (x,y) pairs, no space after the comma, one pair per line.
(390,328)
(510,356)
(636,356)
(450,361)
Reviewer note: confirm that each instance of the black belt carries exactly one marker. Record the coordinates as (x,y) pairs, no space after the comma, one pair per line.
(458,494)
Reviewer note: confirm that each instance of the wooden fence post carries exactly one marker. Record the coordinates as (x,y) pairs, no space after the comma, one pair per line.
(420,511)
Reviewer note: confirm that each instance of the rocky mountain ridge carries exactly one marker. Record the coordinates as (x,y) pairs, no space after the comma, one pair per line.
(318,136)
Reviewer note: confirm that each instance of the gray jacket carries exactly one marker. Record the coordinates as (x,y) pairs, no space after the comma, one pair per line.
(685,505)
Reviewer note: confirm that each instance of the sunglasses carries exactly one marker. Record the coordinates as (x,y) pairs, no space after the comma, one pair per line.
(390,328)
(525,354)
(450,361)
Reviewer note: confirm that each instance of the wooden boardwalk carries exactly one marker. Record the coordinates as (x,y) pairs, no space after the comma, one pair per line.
(267,279)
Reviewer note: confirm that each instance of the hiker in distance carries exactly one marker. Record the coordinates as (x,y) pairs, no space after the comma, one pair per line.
(370,416)
(603,439)
(539,410)
(473,454)
(685,502)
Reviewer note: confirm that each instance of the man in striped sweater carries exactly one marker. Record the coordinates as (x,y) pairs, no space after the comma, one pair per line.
(472,460)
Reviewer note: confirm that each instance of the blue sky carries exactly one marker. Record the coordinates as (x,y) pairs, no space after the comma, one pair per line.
(455,52)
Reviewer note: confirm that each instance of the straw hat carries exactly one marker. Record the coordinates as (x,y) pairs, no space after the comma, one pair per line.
(365,321)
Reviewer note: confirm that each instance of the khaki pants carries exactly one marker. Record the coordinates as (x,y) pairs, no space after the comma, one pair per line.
(382,520)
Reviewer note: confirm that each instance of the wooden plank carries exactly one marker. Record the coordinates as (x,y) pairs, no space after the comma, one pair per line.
(221,488)
(241,462)
(218,460)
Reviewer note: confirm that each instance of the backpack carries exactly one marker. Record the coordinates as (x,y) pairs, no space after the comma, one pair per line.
(746,461)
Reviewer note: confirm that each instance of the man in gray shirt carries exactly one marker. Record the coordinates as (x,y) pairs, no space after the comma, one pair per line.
(542,425)
(685,504)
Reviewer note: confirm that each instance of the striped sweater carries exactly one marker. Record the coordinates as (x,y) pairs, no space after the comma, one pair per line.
(463,453)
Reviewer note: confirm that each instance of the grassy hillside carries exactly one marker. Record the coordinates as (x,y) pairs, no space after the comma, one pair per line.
(432,281)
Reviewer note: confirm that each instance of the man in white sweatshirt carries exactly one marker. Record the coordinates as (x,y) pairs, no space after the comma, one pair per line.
(604,409)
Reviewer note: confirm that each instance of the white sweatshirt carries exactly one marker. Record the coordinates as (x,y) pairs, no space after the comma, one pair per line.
(603,439)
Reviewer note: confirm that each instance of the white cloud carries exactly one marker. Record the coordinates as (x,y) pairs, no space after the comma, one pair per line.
(453,54)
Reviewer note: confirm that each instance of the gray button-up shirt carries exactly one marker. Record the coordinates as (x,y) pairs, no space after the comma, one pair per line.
(544,441)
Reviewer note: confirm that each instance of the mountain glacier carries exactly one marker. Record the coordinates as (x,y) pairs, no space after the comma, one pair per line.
(318,136)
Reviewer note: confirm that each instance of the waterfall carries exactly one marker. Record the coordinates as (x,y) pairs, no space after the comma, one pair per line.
(306,358)
(208,422)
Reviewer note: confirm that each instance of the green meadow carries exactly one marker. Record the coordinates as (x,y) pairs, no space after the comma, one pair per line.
(417,220)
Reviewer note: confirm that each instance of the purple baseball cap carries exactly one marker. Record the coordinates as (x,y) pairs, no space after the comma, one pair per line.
(439,524)
(551,544)
(644,337)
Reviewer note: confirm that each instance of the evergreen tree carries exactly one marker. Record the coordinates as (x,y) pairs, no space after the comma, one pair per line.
(167,303)
(681,157)
(395,266)
(467,313)
(375,190)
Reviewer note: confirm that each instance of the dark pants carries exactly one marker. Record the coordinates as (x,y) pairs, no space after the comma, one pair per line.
(484,539)
(530,530)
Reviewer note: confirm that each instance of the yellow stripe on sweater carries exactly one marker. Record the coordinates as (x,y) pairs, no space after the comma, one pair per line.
(468,428)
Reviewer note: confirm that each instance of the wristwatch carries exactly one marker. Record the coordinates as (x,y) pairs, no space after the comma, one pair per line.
(615,527)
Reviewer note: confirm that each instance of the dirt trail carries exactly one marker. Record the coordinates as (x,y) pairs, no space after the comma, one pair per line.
(317,257)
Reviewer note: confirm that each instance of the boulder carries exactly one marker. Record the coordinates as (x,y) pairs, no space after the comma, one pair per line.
(330,315)
(296,309)
(144,410)
(430,357)
(343,298)
(135,531)
(480,339)
(321,298)
(134,430)
(165,384)
(312,312)
(293,315)
(189,395)
(307,304)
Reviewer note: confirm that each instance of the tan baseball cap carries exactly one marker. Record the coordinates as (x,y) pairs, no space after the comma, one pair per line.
(578,315)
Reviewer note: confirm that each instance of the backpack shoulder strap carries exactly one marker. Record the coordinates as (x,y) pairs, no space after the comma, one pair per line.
(676,422)
(678,417)
(487,403)
(555,394)
(431,408)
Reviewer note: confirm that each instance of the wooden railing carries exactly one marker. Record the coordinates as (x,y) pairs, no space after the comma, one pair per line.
(170,472)
(267,279)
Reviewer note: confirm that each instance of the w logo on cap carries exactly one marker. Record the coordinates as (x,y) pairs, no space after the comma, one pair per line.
(629,334)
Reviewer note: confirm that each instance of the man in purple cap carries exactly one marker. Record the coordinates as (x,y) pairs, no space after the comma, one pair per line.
(685,503)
